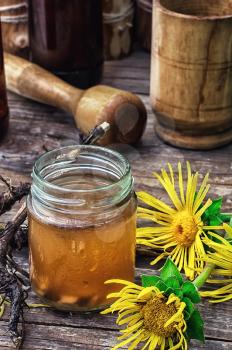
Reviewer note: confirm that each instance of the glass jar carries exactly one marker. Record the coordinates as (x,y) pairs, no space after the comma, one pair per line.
(4,111)
(14,18)
(66,37)
(118,18)
(82,226)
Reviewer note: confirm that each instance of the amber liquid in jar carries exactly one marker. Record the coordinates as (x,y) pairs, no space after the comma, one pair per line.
(71,254)
(66,37)
(4,112)
(70,265)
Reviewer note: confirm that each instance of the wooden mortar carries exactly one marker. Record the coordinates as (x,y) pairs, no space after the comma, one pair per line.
(124,111)
(191,73)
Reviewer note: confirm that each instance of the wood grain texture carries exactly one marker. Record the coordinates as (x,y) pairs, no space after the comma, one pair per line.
(191,72)
(123,110)
(35,128)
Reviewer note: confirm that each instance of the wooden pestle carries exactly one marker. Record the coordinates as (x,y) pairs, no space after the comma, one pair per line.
(124,111)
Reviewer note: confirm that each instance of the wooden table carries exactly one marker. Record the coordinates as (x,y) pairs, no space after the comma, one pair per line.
(35,128)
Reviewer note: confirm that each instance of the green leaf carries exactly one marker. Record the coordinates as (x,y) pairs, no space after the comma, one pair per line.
(215,207)
(195,327)
(189,309)
(149,281)
(162,286)
(215,221)
(179,293)
(190,291)
(169,291)
(213,215)
(225,217)
(169,270)
(204,217)
(173,282)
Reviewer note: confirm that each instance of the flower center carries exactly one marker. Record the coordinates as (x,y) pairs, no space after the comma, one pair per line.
(156,313)
(184,228)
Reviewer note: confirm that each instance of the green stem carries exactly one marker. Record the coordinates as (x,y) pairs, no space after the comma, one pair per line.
(202,278)
(228,216)
(204,275)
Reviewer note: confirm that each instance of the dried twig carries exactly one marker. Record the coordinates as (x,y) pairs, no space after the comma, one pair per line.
(14,281)
(10,285)
(12,195)
(20,238)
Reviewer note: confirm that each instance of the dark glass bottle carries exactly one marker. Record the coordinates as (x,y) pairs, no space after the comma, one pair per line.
(66,37)
(4,111)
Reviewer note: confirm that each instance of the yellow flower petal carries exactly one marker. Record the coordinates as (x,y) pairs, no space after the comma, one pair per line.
(181,184)
(129,340)
(177,229)
(136,320)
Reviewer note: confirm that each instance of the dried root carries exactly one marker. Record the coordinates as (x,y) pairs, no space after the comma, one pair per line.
(12,195)
(13,279)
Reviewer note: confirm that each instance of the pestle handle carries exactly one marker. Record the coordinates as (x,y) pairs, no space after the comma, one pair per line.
(29,80)
(123,110)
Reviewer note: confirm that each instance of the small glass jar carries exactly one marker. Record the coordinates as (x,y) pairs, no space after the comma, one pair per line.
(66,37)
(82,226)
(4,111)
(118,18)
(14,18)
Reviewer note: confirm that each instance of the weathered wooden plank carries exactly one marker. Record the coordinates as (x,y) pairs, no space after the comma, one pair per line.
(217,317)
(136,86)
(138,59)
(47,337)
(137,74)
(36,128)
(23,146)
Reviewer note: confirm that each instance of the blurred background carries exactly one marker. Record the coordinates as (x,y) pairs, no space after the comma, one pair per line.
(124,23)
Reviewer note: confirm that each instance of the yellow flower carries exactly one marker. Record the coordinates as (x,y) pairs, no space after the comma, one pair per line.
(178,228)
(221,257)
(149,317)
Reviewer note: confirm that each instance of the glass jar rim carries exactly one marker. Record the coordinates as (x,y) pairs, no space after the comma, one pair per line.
(125,169)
